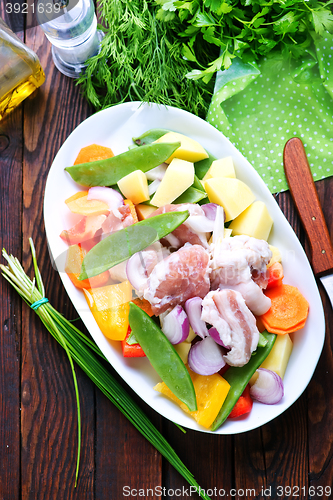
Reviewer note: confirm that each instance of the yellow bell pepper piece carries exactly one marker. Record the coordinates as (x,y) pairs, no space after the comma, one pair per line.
(110,307)
(210,391)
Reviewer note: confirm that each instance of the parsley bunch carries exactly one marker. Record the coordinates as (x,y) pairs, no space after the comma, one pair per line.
(168,51)
(248,29)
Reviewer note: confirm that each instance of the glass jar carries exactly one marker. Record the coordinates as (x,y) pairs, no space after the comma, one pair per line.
(72,32)
(20,70)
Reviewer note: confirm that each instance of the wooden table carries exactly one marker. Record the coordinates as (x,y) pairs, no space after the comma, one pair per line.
(38,426)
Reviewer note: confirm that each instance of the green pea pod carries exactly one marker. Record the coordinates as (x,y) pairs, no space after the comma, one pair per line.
(162,356)
(201,167)
(191,195)
(238,378)
(150,136)
(108,172)
(120,245)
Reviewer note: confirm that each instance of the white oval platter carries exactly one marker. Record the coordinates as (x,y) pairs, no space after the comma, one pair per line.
(115,127)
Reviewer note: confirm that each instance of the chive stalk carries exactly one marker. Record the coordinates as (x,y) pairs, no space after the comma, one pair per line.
(85,353)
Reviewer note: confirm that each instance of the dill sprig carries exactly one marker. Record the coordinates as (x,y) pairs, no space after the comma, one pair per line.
(140,60)
(83,351)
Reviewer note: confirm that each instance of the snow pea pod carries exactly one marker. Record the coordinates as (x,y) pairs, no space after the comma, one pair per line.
(162,356)
(238,378)
(150,136)
(109,171)
(120,245)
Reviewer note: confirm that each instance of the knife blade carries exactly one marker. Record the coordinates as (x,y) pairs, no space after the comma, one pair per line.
(305,197)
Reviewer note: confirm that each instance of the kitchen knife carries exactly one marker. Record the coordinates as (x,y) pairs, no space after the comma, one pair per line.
(304,194)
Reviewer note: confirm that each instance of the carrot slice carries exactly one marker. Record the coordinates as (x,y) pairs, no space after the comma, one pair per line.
(288,311)
(94,152)
(132,209)
(144,305)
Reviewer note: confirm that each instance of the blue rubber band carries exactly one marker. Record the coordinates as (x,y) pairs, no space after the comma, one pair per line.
(39,303)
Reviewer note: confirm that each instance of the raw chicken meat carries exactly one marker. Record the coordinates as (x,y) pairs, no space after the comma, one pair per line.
(180,276)
(183,234)
(227,312)
(234,263)
(118,218)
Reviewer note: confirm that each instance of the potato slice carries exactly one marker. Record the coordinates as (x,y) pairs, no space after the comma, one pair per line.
(224,167)
(255,221)
(134,186)
(232,194)
(79,204)
(178,177)
(144,211)
(278,358)
(189,150)
(276,256)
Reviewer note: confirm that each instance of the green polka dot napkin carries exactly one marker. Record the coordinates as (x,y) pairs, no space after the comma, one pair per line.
(260,106)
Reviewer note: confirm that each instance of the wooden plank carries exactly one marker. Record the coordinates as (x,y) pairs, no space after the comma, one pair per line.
(10,311)
(125,461)
(209,458)
(49,414)
(320,390)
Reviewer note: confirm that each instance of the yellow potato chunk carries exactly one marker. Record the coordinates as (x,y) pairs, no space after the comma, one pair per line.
(134,186)
(254,221)
(224,167)
(183,349)
(232,194)
(144,211)
(210,391)
(178,177)
(189,150)
(276,257)
(278,358)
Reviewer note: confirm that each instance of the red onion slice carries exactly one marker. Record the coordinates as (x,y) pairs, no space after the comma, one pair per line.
(157,173)
(110,196)
(206,357)
(210,210)
(268,388)
(216,336)
(152,188)
(136,271)
(200,224)
(218,229)
(193,310)
(175,325)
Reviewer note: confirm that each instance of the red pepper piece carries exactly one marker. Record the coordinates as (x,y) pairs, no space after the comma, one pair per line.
(131,351)
(243,405)
(275,275)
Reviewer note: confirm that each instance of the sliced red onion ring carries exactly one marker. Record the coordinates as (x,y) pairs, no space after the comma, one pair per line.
(218,229)
(200,224)
(268,388)
(106,194)
(157,172)
(210,210)
(136,271)
(216,336)
(152,188)
(193,310)
(206,357)
(175,325)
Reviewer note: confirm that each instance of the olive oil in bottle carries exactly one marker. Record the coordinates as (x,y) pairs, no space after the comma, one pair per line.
(20,70)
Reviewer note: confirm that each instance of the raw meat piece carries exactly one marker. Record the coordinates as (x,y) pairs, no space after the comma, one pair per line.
(182,275)
(227,312)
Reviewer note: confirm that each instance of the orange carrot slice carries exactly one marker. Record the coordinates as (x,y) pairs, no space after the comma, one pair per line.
(144,305)
(94,152)
(132,208)
(288,311)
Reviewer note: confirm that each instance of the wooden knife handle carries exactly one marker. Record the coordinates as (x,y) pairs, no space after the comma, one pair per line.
(305,196)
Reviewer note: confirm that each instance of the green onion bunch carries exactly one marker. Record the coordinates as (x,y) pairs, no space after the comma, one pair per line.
(82,350)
